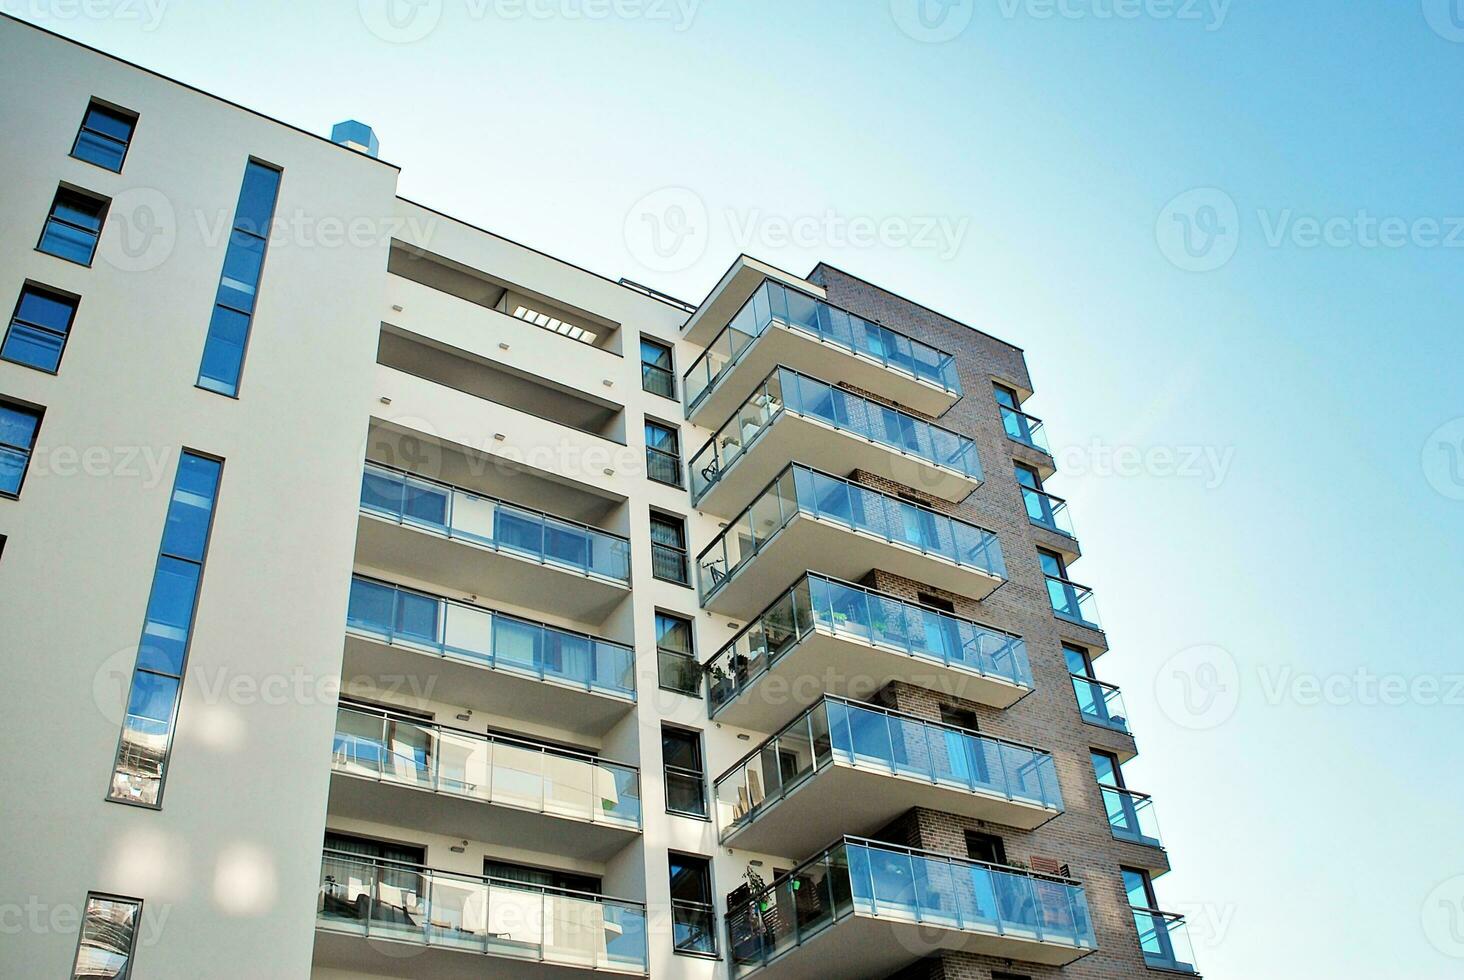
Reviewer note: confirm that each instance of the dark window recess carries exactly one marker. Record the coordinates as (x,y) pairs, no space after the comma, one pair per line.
(104,136)
(988,848)
(74,226)
(693,912)
(543,877)
(657,374)
(960,717)
(936,602)
(18,428)
(676,666)
(663,453)
(668,549)
(686,784)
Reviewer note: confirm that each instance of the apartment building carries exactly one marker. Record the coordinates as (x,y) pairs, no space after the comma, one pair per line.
(382,597)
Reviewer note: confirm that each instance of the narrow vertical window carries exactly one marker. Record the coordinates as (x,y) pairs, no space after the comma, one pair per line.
(657,375)
(686,783)
(73,226)
(18,428)
(108,938)
(157,677)
(104,136)
(693,914)
(676,665)
(228,330)
(668,549)
(663,453)
(39,328)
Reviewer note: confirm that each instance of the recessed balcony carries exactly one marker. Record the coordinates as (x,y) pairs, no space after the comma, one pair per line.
(490,661)
(869,765)
(492,788)
(483,546)
(826,636)
(1164,940)
(863,909)
(453,920)
(805,517)
(780,325)
(791,416)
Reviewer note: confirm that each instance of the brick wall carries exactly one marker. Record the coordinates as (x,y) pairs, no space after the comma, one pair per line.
(1048,718)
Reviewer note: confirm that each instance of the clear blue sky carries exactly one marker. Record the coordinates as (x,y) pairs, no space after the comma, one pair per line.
(1327,539)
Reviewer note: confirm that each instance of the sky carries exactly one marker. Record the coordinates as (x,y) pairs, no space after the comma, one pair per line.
(1223,231)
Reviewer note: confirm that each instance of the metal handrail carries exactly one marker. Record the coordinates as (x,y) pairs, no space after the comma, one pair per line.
(391,864)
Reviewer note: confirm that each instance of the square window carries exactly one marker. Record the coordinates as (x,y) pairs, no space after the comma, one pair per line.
(104,136)
(39,328)
(73,226)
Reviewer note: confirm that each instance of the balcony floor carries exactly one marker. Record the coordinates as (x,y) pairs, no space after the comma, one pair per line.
(863,946)
(367,798)
(810,544)
(386,958)
(793,437)
(461,566)
(843,666)
(493,691)
(801,352)
(866,800)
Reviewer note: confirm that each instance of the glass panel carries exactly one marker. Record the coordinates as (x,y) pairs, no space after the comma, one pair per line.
(257,199)
(108,932)
(223,352)
(169,615)
(69,242)
(191,508)
(242,262)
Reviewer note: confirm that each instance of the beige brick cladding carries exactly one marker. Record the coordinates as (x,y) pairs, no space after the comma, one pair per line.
(1048,718)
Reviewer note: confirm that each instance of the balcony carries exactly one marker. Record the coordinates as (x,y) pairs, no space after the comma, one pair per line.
(806,516)
(549,932)
(1131,816)
(863,909)
(1101,704)
(1027,430)
(853,641)
(481,545)
(488,787)
(791,416)
(1164,940)
(490,661)
(779,325)
(1073,603)
(869,765)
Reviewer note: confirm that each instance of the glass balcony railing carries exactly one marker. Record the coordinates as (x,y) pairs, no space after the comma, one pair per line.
(1046,510)
(836,730)
(862,877)
(1024,428)
(1073,602)
(800,490)
(492,916)
(503,527)
(1164,939)
(819,603)
(1131,815)
(1100,703)
(787,390)
(491,768)
(775,304)
(433,625)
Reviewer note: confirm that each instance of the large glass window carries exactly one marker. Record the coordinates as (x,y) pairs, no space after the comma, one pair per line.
(676,664)
(686,778)
(108,938)
(233,313)
(38,328)
(18,428)
(73,226)
(663,453)
(104,136)
(658,376)
(668,549)
(157,678)
(693,912)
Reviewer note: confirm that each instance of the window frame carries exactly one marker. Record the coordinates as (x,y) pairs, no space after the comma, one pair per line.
(33,287)
(662,651)
(129,114)
(667,770)
(670,350)
(25,408)
(668,518)
(94,896)
(72,191)
(709,906)
(648,422)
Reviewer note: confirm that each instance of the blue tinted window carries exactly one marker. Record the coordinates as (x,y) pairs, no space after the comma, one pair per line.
(73,227)
(141,756)
(417,616)
(371,605)
(38,329)
(228,329)
(18,428)
(104,136)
